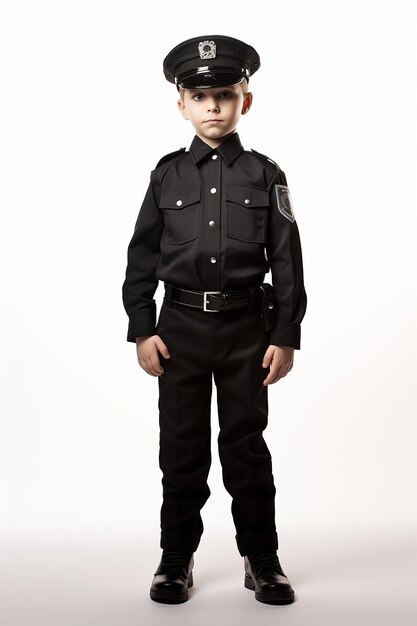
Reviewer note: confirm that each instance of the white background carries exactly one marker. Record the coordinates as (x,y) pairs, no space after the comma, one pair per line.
(86,113)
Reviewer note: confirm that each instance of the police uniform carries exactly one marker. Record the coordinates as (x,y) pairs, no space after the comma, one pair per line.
(212,223)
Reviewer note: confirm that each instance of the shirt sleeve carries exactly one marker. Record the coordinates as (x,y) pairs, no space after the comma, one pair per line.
(284,255)
(143,254)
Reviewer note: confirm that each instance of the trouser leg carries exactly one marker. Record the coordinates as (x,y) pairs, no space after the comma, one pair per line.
(185,434)
(240,344)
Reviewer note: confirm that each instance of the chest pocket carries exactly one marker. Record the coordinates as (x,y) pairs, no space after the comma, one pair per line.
(247,213)
(181,211)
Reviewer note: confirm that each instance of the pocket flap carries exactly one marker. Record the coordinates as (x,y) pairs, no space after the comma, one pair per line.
(179,198)
(248,197)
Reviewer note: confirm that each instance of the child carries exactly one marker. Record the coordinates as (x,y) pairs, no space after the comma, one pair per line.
(213,221)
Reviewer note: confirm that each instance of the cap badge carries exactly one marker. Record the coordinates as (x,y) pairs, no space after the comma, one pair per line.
(207,49)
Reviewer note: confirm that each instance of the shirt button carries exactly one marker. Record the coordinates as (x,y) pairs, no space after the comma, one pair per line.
(213,259)
(213,190)
(214,157)
(247,201)
(212,223)
(179,202)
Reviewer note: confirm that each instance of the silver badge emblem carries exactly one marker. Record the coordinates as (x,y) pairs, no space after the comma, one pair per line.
(207,49)
(284,202)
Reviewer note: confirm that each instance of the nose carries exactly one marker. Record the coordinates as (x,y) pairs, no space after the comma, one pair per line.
(212,105)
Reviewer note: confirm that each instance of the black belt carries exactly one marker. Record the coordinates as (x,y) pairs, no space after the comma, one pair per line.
(212,301)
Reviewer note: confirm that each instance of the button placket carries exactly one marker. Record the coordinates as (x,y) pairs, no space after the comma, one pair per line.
(213,220)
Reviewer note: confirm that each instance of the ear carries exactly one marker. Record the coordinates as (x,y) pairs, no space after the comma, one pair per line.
(182,109)
(247,103)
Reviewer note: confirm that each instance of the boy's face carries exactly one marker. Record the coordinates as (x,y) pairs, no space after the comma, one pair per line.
(224,104)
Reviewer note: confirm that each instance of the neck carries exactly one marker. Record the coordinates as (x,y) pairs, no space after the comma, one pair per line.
(215,143)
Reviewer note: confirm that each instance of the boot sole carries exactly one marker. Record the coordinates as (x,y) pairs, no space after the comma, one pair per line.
(170,596)
(270,597)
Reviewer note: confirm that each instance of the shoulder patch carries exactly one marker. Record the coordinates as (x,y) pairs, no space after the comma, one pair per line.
(284,202)
(265,157)
(169,156)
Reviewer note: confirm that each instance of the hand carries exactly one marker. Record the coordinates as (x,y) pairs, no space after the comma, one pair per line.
(281,359)
(147,348)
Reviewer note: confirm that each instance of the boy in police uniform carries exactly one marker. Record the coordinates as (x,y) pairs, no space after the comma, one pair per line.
(214,220)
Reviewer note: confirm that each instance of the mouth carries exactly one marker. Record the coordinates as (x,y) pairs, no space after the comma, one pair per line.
(213,121)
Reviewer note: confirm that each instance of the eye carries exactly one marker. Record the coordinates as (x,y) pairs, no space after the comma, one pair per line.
(226,94)
(196,96)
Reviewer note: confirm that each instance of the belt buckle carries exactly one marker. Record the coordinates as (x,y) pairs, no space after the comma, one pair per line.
(205,302)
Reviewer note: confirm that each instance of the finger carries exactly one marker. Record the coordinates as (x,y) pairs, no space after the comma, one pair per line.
(268,380)
(283,371)
(157,367)
(274,375)
(149,367)
(276,379)
(163,349)
(266,360)
(268,357)
(142,363)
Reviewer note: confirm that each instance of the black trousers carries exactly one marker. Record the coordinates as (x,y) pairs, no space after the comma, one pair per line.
(229,346)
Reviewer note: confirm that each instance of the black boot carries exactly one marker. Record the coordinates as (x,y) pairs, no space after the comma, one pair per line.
(264,575)
(173,577)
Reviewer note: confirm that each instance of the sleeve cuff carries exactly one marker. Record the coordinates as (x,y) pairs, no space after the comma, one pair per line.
(142,324)
(287,335)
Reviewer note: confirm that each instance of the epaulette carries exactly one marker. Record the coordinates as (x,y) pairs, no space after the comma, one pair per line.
(169,156)
(266,157)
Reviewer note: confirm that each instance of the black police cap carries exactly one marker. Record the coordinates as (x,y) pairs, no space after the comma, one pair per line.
(210,61)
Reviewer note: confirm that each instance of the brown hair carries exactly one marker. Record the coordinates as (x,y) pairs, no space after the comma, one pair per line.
(243,85)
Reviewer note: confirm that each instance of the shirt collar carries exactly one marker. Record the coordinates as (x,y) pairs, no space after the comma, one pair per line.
(229,149)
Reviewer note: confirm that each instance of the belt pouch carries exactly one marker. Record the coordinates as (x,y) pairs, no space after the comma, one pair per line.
(268,309)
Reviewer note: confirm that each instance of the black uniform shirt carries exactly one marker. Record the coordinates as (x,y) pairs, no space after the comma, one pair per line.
(211,220)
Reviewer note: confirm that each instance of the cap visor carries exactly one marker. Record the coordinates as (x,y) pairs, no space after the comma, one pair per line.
(210,79)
